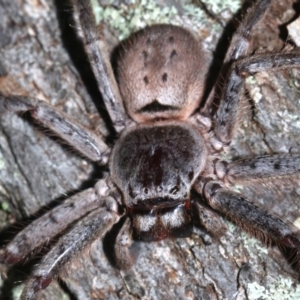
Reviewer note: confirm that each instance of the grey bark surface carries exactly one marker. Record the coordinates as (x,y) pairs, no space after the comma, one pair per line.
(37,58)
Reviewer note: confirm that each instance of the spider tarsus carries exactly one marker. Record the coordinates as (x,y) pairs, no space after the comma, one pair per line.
(9,258)
(41,283)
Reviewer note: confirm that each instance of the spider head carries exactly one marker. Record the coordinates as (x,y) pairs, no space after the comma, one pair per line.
(161,74)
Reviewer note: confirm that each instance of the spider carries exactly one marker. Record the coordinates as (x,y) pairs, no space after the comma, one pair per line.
(165,168)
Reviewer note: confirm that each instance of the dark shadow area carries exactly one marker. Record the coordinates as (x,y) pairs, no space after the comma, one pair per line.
(98,170)
(20,272)
(16,274)
(75,49)
(109,242)
(292,257)
(66,289)
(3,71)
(284,34)
(217,70)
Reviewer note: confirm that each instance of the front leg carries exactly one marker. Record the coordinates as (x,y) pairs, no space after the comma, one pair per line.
(86,142)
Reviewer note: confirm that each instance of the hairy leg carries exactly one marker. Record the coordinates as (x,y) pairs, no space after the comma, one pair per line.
(227,114)
(52,223)
(86,142)
(241,40)
(252,218)
(93,226)
(100,63)
(239,45)
(261,167)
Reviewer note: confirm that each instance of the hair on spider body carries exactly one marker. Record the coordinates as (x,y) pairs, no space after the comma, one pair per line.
(155,167)
(166,167)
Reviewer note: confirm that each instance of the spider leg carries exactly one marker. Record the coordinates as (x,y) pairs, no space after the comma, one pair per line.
(210,220)
(254,219)
(239,44)
(86,142)
(227,114)
(93,226)
(241,39)
(260,167)
(123,242)
(52,223)
(96,50)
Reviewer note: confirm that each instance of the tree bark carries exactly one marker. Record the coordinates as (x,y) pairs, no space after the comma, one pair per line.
(42,56)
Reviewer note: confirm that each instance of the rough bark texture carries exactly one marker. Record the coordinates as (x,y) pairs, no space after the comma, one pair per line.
(40,55)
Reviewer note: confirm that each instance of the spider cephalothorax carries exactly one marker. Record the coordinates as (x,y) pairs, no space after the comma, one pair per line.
(155,170)
(165,167)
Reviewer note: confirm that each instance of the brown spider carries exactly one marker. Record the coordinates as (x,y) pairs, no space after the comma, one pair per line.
(166,149)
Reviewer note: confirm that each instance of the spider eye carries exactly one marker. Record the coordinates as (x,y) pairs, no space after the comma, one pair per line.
(146,80)
(173,54)
(145,54)
(164,77)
